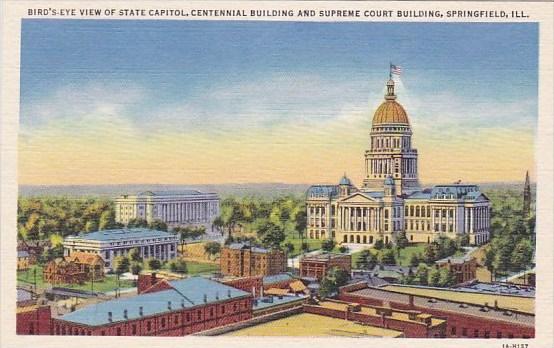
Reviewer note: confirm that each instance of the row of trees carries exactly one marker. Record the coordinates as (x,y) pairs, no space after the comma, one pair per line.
(429,275)
(40,217)
(512,244)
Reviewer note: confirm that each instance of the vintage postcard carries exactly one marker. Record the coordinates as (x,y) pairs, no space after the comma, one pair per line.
(277,173)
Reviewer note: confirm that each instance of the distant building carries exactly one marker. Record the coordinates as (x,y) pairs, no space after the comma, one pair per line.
(317,266)
(60,271)
(23,260)
(188,207)
(390,199)
(463,268)
(172,308)
(109,244)
(244,260)
(89,263)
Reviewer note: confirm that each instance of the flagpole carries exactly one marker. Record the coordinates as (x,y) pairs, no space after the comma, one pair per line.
(390,70)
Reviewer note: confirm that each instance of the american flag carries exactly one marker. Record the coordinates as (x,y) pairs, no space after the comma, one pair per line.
(395,69)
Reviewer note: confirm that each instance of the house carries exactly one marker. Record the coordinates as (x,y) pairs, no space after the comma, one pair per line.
(60,271)
(91,264)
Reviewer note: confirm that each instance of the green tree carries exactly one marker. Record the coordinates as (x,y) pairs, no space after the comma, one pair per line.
(446,278)
(522,255)
(328,245)
(107,220)
(158,225)
(335,278)
(137,223)
(388,257)
(154,264)
(212,248)
(289,247)
(91,226)
(422,275)
(402,240)
(136,268)
(379,244)
(490,260)
(429,255)
(134,255)
(218,223)
(271,235)
(343,249)
(363,260)
(434,277)
(121,264)
(414,260)
(300,222)
(178,266)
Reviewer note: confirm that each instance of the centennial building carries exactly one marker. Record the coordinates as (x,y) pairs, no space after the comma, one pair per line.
(187,207)
(390,199)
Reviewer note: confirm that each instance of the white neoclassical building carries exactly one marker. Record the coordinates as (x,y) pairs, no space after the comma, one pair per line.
(189,207)
(390,198)
(110,244)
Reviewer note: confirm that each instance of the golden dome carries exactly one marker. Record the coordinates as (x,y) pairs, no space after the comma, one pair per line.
(390,112)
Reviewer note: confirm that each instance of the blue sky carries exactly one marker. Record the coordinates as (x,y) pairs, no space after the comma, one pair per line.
(152,79)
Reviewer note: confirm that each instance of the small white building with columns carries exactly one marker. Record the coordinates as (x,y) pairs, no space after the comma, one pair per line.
(176,208)
(390,199)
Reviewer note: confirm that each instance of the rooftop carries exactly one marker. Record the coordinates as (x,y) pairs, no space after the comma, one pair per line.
(173,193)
(324,257)
(272,301)
(456,302)
(277,278)
(307,324)
(185,293)
(244,245)
(501,289)
(121,234)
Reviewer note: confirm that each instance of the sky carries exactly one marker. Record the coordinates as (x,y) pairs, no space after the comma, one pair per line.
(213,102)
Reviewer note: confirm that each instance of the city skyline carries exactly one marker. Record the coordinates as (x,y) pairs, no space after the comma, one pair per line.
(238,102)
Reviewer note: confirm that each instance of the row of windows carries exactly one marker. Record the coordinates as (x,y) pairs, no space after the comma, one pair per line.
(485,333)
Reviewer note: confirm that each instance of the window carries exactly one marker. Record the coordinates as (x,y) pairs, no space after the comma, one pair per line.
(498,334)
(134,329)
(453,331)
(163,322)
(464,331)
(102,333)
(417,211)
(118,331)
(487,334)
(476,333)
(148,326)
(176,319)
(199,315)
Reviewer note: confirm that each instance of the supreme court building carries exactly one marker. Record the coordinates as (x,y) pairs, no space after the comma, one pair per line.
(390,199)
(180,208)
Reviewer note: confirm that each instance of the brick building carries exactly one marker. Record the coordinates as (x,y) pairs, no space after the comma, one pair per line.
(501,318)
(60,271)
(168,308)
(463,268)
(413,323)
(23,258)
(244,260)
(317,266)
(91,264)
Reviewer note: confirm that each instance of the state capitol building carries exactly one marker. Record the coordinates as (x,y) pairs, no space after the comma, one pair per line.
(390,199)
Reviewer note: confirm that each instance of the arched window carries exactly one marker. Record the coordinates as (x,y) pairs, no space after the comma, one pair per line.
(365,239)
(345,238)
(358,239)
(370,239)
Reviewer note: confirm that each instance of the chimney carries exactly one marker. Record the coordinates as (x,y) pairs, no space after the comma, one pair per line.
(411,300)
(217,295)
(110,319)
(182,303)
(229,293)
(125,314)
(140,311)
(169,305)
(205,298)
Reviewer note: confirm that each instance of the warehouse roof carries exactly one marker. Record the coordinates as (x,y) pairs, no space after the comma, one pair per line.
(185,293)
(276,278)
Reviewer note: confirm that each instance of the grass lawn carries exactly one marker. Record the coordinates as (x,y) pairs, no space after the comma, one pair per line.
(201,267)
(26,278)
(407,252)
(109,282)
(313,244)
